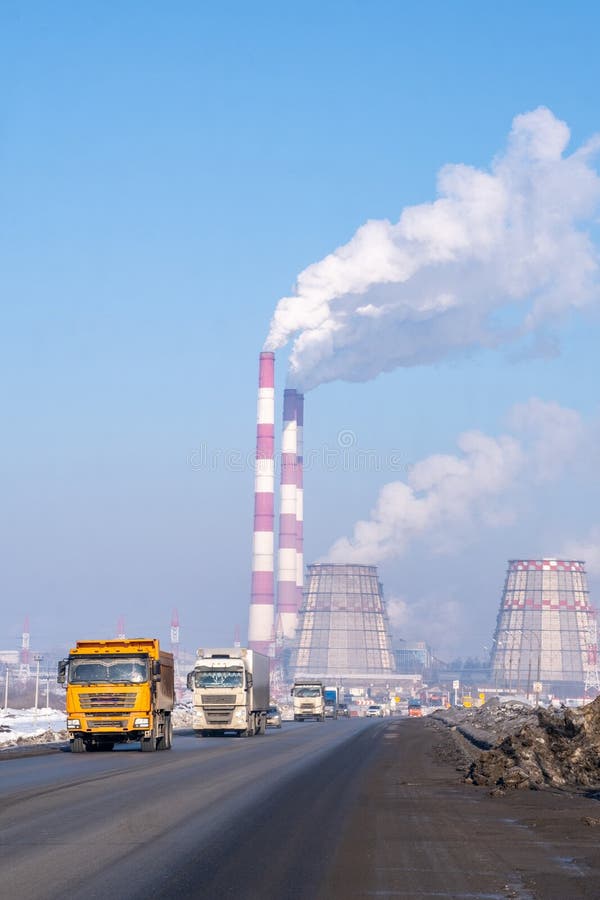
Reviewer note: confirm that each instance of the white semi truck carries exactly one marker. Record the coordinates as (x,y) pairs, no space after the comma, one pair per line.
(309,699)
(231,691)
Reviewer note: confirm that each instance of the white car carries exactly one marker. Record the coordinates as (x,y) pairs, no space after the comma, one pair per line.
(374,710)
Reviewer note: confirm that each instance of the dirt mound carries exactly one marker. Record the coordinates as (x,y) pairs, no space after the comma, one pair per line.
(552,747)
(182,715)
(48,737)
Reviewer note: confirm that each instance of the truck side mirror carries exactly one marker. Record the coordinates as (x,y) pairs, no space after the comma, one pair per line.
(249,680)
(61,675)
(155,670)
(190,681)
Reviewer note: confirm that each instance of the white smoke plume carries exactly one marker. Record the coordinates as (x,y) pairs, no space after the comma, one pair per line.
(447,499)
(587,549)
(497,257)
(433,614)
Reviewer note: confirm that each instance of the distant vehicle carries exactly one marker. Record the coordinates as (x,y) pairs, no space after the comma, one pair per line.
(343,710)
(231,691)
(436,700)
(415,708)
(332,696)
(309,699)
(375,711)
(273,717)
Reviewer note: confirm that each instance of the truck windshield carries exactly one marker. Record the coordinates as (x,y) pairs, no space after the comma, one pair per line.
(219,678)
(307,691)
(107,670)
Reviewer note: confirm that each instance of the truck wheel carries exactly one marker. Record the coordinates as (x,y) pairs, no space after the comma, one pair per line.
(149,745)
(322,718)
(165,742)
(262,727)
(162,739)
(77,745)
(169,734)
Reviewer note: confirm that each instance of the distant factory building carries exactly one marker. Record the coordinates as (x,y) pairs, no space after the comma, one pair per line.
(343,630)
(413,656)
(546,629)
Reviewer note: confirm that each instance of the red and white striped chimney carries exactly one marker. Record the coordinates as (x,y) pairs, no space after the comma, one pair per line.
(299,500)
(262,601)
(287,567)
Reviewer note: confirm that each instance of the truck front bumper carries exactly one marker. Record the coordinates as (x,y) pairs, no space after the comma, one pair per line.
(130,725)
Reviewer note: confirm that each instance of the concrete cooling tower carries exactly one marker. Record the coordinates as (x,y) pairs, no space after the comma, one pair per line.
(343,628)
(546,629)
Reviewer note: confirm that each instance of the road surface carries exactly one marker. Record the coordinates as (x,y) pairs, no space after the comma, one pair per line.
(348,808)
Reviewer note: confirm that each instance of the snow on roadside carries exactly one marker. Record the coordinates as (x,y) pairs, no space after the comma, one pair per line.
(30,726)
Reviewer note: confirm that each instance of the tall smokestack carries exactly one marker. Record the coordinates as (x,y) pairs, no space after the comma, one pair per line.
(262,607)
(299,500)
(286,578)
(24,655)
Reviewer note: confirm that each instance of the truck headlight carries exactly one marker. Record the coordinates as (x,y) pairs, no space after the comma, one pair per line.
(141,722)
(240,713)
(73,723)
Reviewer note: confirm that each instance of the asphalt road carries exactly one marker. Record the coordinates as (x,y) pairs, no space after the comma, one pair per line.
(335,810)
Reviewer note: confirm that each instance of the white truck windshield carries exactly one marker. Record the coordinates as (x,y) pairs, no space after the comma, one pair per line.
(307,691)
(215,678)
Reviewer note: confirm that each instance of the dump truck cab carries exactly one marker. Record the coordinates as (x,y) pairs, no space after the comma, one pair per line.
(118,691)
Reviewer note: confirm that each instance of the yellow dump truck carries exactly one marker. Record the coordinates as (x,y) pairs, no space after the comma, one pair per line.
(118,691)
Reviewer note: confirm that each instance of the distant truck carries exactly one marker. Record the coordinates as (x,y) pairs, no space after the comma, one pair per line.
(118,691)
(231,692)
(415,708)
(309,699)
(332,702)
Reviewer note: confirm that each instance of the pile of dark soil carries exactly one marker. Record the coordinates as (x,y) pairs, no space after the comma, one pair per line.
(548,747)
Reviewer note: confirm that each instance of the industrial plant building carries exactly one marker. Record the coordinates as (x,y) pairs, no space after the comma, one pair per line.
(333,622)
(546,629)
(343,630)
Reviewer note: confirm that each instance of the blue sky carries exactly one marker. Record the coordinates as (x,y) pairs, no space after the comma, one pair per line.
(164,177)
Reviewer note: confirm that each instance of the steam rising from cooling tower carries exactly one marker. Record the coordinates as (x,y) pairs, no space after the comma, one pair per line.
(446,499)
(496,258)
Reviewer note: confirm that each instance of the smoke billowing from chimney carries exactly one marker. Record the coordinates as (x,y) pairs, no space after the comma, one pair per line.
(496,259)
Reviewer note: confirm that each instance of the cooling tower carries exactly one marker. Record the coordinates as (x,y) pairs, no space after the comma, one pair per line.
(287,567)
(546,629)
(299,501)
(262,609)
(343,627)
